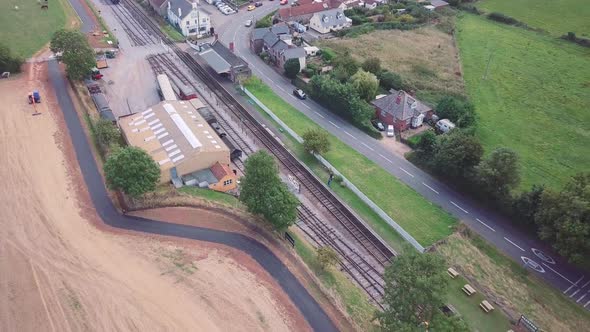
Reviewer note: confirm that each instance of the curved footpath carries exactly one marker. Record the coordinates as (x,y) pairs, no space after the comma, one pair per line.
(310,309)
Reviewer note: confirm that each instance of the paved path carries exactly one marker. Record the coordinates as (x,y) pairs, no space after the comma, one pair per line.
(520,245)
(87,21)
(310,309)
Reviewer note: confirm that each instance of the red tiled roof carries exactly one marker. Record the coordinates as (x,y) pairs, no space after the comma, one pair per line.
(220,171)
(307,8)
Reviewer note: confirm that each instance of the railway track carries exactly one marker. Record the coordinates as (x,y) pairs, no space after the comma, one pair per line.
(139,34)
(364,273)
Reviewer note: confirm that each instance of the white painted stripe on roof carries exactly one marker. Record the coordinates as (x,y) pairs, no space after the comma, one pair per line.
(135,130)
(174,153)
(214,141)
(182,126)
(153,122)
(174,146)
(170,141)
(147,139)
(189,112)
(163,161)
(218,147)
(144,128)
(194,117)
(139,122)
(206,131)
(147,111)
(156,126)
(159,131)
(199,125)
(163,135)
(177,158)
(209,136)
(149,116)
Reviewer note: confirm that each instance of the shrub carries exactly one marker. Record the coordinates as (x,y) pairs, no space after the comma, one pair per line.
(8,61)
(372,65)
(292,68)
(389,80)
(328,54)
(316,141)
(499,17)
(462,113)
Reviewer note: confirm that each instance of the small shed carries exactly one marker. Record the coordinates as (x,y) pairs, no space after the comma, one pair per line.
(224,61)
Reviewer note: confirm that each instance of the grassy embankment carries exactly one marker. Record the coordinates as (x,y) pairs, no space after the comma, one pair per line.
(534,99)
(27,29)
(426,222)
(555,17)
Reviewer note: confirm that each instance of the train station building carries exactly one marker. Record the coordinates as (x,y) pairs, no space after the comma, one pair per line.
(181,142)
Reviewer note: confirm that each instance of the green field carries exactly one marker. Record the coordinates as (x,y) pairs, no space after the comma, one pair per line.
(27,29)
(426,222)
(535,99)
(556,17)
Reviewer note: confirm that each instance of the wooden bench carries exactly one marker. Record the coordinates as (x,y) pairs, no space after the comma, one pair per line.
(467,289)
(486,306)
(452,272)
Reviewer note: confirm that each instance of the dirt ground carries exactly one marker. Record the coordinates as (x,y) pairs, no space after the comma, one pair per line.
(59,272)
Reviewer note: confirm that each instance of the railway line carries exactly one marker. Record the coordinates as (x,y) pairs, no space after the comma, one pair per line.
(364,273)
(138,33)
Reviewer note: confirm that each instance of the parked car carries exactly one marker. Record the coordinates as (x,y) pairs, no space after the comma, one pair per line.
(378,125)
(299,94)
(390,132)
(248,23)
(251,7)
(284,2)
(258,4)
(444,126)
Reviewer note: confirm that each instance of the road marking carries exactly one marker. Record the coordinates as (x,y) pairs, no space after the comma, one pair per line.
(586,304)
(382,156)
(281,88)
(429,187)
(575,284)
(586,284)
(333,124)
(410,174)
(306,106)
(514,244)
(458,207)
(349,134)
(261,73)
(581,297)
(559,274)
(368,147)
(319,114)
(574,293)
(532,264)
(483,223)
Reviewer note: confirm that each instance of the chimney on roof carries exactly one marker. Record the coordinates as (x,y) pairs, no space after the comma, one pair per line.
(179,12)
(194,4)
(231,46)
(398,99)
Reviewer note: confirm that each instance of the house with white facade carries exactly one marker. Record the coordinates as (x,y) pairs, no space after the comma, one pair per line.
(189,17)
(329,20)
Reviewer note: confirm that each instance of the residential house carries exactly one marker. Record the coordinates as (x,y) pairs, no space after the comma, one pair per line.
(292,53)
(257,36)
(218,177)
(159,6)
(188,17)
(329,20)
(303,10)
(435,4)
(276,42)
(371,4)
(399,108)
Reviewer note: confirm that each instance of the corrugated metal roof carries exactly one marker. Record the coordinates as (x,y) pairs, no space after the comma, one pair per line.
(215,61)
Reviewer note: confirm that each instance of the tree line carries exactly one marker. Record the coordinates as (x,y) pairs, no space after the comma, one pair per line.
(8,61)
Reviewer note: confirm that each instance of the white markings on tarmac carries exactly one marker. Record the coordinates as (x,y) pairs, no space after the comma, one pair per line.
(580,299)
(514,244)
(382,156)
(458,207)
(429,187)
(281,88)
(559,274)
(410,174)
(321,116)
(483,223)
(307,106)
(532,264)
(333,124)
(368,147)
(349,134)
(574,293)
(543,256)
(574,284)
(586,304)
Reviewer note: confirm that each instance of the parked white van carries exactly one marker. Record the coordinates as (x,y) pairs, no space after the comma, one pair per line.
(445,125)
(390,132)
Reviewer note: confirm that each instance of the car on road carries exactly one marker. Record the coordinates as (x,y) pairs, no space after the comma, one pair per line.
(378,125)
(299,94)
(248,23)
(258,4)
(251,8)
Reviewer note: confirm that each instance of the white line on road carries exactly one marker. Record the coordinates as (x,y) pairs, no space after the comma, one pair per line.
(581,297)
(574,293)
(321,116)
(306,106)
(586,304)
(458,207)
(514,244)
(575,284)
(429,187)
(559,274)
(333,124)
(368,147)
(483,223)
(382,156)
(281,88)
(349,134)
(586,284)
(410,174)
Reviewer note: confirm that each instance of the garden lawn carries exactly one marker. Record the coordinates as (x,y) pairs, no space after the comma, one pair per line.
(535,99)
(212,195)
(426,222)
(556,17)
(28,29)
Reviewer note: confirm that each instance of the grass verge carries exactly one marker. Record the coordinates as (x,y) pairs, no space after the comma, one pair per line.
(507,284)
(533,100)
(103,25)
(172,33)
(212,195)
(426,222)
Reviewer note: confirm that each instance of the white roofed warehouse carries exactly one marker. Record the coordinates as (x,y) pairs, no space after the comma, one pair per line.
(177,137)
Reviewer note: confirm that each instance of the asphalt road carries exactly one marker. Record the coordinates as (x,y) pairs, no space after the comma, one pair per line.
(87,22)
(310,309)
(522,246)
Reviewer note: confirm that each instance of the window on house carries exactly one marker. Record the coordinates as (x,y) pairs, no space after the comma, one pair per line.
(196,21)
(187,23)
(227,182)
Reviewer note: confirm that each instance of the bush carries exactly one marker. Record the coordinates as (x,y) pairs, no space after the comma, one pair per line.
(571,36)
(265,22)
(499,17)
(316,141)
(389,80)
(372,65)
(462,113)
(8,61)
(328,54)
(292,68)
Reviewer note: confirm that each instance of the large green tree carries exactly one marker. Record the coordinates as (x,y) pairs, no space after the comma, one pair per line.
(106,133)
(263,193)
(316,141)
(462,113)
(365,84)
(8,61)
(499,173)
(564,218)
(390,80)
(457,154)
(75,51)
(415,290)
(132,171)
(526,205)
(292,68)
